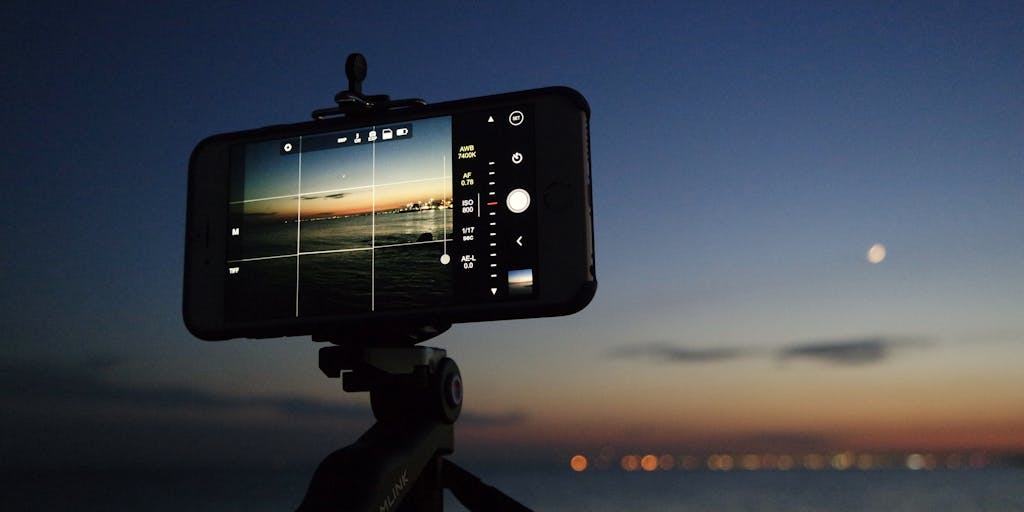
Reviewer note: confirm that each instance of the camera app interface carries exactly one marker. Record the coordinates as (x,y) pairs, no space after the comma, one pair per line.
(419,214)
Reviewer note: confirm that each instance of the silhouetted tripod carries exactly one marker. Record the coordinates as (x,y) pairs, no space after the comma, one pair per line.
(415,393)
(398,464)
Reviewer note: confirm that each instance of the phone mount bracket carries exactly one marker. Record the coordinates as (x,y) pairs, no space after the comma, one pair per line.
(353,103)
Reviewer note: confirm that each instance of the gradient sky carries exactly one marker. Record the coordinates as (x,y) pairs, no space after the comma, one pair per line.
(745,157)
(336,181)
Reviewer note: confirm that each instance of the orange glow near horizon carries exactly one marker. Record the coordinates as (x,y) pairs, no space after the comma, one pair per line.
(887,406)
(829,450)
(750,408)
(356,201)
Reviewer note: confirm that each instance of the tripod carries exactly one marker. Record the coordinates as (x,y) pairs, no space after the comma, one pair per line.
(398,464)
(415,393)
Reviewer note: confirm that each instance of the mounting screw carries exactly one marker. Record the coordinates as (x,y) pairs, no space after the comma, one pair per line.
(451,389)
(355,70)
(454,388)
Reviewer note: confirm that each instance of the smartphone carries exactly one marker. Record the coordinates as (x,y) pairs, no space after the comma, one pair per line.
(470,210)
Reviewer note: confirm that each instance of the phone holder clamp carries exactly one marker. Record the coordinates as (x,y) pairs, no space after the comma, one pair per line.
(353,103)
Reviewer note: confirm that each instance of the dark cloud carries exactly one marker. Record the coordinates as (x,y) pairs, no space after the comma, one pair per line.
(665,352)
(64,416)
(854,351)
(35,382)
(67,416)
(260,214)
(489,420)
(336,196)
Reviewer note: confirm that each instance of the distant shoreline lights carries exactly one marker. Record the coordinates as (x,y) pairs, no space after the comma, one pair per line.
(838,461)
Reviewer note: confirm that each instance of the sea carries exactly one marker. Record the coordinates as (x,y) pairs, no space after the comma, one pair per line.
(338,272)
(554,489)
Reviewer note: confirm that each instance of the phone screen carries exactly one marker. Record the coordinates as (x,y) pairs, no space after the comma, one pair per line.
(410,215)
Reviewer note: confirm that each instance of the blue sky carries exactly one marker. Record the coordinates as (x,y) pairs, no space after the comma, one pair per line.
(745,157)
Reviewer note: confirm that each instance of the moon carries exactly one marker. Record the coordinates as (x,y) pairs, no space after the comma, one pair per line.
(876,254)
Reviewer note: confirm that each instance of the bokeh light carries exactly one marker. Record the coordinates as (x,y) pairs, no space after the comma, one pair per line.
(814,461)
(630,462)
(842,461)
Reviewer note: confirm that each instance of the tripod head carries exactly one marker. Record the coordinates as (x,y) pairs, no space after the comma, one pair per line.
(405,383)
(416,396)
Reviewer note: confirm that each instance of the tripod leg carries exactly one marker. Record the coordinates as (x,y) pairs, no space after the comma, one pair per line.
(473,493)
(427,494)
(378,471)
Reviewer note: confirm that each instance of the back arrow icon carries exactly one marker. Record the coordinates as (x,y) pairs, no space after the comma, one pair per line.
(519,241)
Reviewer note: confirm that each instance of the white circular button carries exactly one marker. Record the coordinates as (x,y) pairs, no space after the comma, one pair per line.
(518,200)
